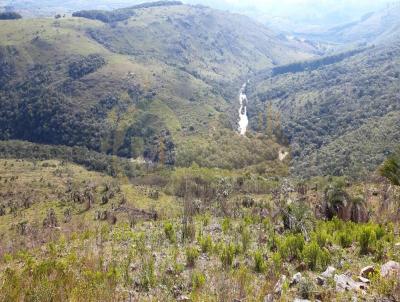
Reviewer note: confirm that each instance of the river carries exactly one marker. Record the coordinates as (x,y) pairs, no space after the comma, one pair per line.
(243,119)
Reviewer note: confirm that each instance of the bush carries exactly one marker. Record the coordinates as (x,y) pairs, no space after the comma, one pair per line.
(344,238)
(206,244)
(259,262)
(228,255)
(366,239)
(170,232)
(291,246)
(226,225)
(191,256)
(246,238)
(198,280)
(306,288)
(314,256)
(147,275)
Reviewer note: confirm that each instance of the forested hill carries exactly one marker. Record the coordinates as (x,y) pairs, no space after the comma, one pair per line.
(161,83)
(341,118)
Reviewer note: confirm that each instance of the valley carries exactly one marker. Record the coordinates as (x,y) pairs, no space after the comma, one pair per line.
(172,152)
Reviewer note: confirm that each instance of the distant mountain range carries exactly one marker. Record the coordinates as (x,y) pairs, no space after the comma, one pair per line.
(374,27)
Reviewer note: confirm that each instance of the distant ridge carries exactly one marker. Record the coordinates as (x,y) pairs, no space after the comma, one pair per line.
(122,13)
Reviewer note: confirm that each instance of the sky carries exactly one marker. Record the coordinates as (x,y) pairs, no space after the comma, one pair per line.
(292,13)
(289,14)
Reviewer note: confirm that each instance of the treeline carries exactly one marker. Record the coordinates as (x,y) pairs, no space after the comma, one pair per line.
(85,65)
(314,64)
(95,161)
(120,14)
(10,16)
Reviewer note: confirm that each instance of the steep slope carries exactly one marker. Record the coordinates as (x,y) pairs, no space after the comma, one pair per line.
(341,118)
(154,85)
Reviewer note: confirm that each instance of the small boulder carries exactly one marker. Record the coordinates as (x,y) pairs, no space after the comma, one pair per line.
(390,268)
(328,273)
(183,299)
(363,280)
(346,283)
(366,271)
(295,279)
(320,280)
(269,298)
(279,285)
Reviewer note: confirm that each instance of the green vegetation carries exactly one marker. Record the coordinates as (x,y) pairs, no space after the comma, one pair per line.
(391,169)
(341,118)
(123,177)
(10,16)
(121,14)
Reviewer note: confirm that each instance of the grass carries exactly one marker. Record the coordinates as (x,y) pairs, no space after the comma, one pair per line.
(222,261)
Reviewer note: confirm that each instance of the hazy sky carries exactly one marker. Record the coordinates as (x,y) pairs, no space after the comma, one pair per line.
(288,14)
(310,12)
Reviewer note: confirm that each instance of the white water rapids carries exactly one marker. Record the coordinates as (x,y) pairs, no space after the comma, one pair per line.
(243,119)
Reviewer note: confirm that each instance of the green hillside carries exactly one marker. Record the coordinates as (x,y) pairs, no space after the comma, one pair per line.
(341,118)
(141,87)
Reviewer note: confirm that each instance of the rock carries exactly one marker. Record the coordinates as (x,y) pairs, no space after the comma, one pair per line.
(363,280)
(296,279)
(346,283)
(269,298)
(328,273)
(397,245)
(301,300)
(320,280)
(183,299)
(279,285)
(390,268)
(366,271)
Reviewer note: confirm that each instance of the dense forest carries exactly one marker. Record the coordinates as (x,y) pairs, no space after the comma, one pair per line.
(338,115)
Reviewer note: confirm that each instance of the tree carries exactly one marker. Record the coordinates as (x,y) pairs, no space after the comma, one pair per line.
(391,169)
(270,125)
(10,16)
(161,151)
(260,121)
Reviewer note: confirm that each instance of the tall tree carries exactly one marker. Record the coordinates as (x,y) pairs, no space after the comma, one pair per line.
(391,169)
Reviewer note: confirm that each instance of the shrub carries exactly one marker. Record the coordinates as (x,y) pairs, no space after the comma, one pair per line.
(314,256)
(191,256)
(226,225)
(306,288)
(366,239)
(170,232)
(344,238)
(188,230)
(259,262)
(147,275)
(321,237)
(228,255)
(206,244)
(276,260)
(291,246)
(198,280)
(246,238)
